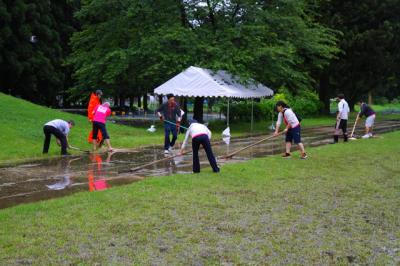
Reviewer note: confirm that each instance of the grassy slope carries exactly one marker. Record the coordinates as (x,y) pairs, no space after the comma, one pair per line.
(22,136)
(340,206)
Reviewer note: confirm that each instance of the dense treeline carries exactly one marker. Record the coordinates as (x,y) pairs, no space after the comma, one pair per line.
(34,38)
(129,47)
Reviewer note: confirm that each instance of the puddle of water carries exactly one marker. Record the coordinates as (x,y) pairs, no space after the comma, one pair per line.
(58,177)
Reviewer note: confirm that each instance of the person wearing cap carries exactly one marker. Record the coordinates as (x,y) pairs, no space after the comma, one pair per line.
(341,118)
(201,135)
(170,114)
(60,129)
(292,129)
(100,114)
(369,113)
(95,100)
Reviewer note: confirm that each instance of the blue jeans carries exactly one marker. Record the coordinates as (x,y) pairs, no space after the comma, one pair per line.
(169,128)
(203,140)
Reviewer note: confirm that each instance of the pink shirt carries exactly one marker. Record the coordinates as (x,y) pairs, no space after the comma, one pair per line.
(100,113)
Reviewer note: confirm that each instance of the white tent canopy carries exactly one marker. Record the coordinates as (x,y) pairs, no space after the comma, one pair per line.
(200,82)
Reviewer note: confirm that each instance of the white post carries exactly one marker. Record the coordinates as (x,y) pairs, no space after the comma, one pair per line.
(227,117)
(252,114)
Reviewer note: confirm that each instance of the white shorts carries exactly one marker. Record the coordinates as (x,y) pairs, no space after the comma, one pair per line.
(369,122)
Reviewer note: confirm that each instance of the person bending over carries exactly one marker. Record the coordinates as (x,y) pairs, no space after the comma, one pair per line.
(201,135)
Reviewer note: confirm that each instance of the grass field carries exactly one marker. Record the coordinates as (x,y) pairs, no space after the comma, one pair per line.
(341,206)
(21,127)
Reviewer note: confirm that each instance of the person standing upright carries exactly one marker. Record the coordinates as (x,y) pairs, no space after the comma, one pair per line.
(369,113)
(170,114)
(341,118)
(95,100)
(292,130)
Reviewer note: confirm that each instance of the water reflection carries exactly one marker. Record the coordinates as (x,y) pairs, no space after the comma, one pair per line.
(58,177)
(96,174)
(64,179)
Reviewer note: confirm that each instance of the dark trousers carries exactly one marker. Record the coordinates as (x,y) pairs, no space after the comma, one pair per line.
(203,140)
(341,124)
(102,127)
(48,130)
(168,129)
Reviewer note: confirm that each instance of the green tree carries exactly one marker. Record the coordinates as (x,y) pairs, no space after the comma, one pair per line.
(133,46)
(33,37)
(370,58)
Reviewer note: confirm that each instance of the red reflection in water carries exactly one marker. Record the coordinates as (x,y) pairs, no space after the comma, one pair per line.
(96,180)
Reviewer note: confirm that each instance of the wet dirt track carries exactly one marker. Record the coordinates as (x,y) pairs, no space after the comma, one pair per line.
(58,177)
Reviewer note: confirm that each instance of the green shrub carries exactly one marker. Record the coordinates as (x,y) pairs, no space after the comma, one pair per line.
(241,110)
(381,100)
(395,100)
(305,104)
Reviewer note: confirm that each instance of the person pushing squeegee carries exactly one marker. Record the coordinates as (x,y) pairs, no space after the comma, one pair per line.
(170,111)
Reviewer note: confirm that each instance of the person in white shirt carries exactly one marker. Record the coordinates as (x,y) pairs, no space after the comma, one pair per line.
(292,129)
(60,129)
(341,118)
(200,135)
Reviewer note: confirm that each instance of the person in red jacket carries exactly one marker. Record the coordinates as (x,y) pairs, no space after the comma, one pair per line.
(95,100)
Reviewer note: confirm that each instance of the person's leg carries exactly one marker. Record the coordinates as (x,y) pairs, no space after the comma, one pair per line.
(106,137)
(344,129)
(64,144)
(288,147)
(297,139)
(196,161)
(336,133)
(166,136)
(369,123)
(211,158)
(63,139)
(301,147)
(95,130)
(47,138)
(174,135)
(288,143)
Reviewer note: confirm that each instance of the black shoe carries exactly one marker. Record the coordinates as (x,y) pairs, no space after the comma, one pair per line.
(287,155)
(66,154)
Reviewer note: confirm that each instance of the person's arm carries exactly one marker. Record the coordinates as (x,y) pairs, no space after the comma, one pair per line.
(177,112)
(68,146)
(278,123)
(185,141)
(158,111)
(340,109)
(362,111)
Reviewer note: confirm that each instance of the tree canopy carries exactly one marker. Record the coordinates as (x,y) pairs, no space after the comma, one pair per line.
(133,46)
(130,47)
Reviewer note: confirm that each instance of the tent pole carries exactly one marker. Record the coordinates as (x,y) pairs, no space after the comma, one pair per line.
(252,115)
(227,118)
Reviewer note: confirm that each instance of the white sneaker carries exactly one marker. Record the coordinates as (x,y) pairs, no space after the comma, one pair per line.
(170,149)
(366,136)
(166,152)
(370,134)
